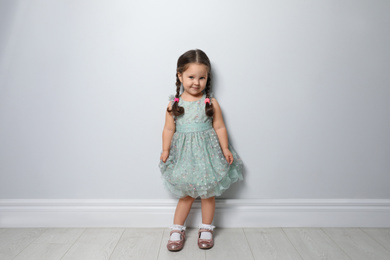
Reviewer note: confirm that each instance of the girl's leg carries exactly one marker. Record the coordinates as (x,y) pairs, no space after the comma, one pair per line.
(205,239)
(182,210)
(208,209)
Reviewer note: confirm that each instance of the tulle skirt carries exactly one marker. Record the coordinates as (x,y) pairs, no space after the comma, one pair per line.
(196,166)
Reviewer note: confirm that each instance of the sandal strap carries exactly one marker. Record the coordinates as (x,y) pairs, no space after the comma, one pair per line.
(205,230)
(182,233)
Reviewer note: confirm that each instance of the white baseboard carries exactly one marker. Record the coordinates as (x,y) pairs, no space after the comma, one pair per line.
(229,213)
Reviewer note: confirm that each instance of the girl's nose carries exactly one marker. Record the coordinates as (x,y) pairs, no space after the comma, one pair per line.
(197,82)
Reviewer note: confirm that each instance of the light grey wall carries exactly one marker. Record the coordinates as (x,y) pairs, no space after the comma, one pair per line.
(304,87)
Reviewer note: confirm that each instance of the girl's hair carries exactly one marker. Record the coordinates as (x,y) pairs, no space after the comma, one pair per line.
(192,56)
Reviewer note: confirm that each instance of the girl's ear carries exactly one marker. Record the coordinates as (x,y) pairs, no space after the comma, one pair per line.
(180,76)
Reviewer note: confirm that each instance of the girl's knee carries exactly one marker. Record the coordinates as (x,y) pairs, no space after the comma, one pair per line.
(208,199)
(187,199)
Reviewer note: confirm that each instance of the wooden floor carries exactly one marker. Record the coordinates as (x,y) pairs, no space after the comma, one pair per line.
(235,243)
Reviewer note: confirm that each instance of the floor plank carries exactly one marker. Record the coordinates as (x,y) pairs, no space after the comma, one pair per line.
(138,243)
(51,245)
(270,243)
(381,235)
(190,250)
(14,240)
(95,243)
(357,244)
(229,243)
(313,243)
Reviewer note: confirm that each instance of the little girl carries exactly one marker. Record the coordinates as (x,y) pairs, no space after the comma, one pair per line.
(197,160)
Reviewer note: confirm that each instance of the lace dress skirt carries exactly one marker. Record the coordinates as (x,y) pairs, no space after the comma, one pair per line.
(196,166)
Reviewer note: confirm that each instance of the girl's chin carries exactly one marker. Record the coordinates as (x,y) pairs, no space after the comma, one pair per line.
(194,91)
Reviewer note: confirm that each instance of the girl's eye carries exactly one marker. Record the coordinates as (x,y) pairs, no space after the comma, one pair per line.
(202,78)
(191,77)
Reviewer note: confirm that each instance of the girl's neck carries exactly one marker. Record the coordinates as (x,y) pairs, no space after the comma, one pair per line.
(190,98)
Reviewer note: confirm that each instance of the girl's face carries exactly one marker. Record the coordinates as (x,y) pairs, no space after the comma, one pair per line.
(194,79)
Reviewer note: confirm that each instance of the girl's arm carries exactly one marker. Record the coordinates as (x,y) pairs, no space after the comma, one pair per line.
(220,129)
(169,130)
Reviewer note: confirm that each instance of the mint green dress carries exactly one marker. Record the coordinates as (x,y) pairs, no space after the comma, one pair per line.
(196,166)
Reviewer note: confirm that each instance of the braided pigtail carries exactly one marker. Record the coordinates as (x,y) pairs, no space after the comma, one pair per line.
(209,106)
(176,109)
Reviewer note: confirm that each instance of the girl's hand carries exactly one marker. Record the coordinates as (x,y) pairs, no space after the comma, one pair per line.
(164,156)
(228,155)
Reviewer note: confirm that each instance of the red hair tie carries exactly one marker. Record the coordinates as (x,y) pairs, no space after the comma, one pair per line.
(176,99)
(207,100)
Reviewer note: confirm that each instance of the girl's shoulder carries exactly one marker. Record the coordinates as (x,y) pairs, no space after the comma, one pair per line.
(171,99)
(214,101)
(216,106)
(212,98)
(170,105)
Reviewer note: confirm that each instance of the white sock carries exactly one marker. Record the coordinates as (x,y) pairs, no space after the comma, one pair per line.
(176,236)
(205,234)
